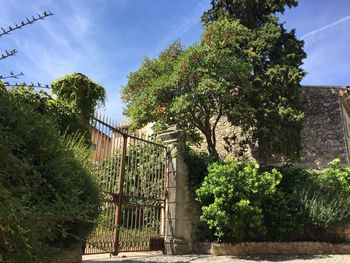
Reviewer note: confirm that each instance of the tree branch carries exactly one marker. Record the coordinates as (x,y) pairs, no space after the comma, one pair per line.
(8,54)
(25,23)
(24,84)
(12,76)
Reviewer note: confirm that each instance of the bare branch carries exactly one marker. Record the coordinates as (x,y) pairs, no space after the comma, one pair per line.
(8,54)
(24,84)
(12,76)
(25,23)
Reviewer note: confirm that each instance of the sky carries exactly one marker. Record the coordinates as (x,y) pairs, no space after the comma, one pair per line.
(108,39)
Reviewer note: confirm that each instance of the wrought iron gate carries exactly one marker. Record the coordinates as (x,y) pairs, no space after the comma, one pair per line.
(131,172)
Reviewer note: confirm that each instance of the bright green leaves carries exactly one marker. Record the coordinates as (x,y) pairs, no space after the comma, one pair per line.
(81,93)
(242,202)
(191,88)
(232,196)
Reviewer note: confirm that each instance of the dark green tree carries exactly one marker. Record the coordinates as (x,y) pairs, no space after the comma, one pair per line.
(48,196)
(276,56)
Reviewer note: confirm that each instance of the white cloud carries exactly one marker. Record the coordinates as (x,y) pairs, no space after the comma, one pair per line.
(310,36)
(184,25)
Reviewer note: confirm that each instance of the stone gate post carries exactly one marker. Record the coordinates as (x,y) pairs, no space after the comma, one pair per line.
(178,220)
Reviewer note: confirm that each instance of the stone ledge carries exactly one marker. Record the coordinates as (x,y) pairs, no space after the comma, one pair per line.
(271,248)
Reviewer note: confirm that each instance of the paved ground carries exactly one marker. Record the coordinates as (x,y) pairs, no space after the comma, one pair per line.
(158,258)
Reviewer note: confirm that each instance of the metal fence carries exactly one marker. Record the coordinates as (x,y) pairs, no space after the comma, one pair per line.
(131,172)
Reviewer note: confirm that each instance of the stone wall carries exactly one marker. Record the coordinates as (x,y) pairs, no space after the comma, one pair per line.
(323,136)
(272,248)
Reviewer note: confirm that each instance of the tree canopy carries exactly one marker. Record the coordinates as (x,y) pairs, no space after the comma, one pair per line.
(192,88)
(276,56)
(251,13)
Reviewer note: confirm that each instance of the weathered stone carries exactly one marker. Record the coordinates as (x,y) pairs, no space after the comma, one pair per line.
(278,248)
(178,217)
(325,134)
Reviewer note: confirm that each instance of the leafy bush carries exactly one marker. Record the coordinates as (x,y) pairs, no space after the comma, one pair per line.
(244,203)
(326,197)
(48,197)
(232,196)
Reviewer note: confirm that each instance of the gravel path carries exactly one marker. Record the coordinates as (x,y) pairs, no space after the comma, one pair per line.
(158,258)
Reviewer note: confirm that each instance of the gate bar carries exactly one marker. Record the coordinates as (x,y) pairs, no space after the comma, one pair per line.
(118,209)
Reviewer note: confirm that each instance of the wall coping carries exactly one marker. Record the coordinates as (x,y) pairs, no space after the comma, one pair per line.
(325,87)
(270,248)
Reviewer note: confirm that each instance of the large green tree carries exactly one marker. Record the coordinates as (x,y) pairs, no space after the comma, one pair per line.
(276,57)
(192,88)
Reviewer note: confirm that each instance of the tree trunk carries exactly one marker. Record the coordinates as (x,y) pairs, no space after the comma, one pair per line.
(211,147)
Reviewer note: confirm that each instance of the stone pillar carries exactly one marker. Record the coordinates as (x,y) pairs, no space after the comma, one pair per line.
(178,220)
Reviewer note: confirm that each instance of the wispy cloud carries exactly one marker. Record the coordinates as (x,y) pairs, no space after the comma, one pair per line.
(309,36)
(184,25)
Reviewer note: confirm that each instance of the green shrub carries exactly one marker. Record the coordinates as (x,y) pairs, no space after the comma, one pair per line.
(232,195)
(48,198)
(326,196)
(244,203)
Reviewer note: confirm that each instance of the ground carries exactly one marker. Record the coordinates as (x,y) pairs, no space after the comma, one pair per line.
(158,258)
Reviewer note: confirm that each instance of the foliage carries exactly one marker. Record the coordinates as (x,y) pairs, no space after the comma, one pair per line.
(80,93)
(191,88)
(251,13)
(48,197)
(276,57)
(42,102)
(232,196)
(197,163)
(326,197)
(284,216)
(298,204)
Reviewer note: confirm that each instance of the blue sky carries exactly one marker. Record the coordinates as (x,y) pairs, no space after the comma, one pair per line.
(107,39)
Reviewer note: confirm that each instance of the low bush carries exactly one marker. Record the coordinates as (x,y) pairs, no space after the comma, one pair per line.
(48,198)
(242,202)
(232,196)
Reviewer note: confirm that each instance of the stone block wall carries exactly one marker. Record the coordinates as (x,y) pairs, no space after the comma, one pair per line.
(323,136)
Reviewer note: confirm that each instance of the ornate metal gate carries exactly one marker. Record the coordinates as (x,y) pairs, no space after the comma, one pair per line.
(131,172)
